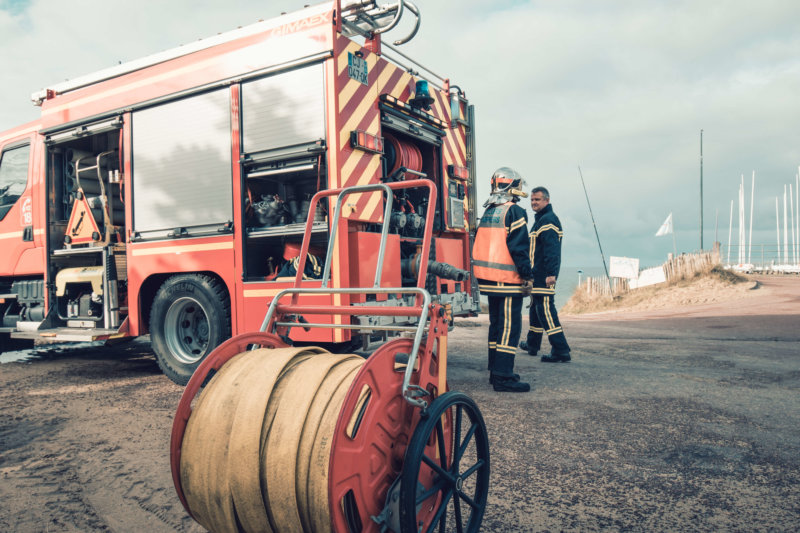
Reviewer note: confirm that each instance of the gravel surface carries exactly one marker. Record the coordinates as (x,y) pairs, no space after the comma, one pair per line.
(682,419)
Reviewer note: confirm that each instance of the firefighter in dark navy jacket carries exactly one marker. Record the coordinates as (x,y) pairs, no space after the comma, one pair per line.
(502,265)
(545,255)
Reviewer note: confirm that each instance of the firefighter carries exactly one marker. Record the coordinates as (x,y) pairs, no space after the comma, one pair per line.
(503,267)
(545,254)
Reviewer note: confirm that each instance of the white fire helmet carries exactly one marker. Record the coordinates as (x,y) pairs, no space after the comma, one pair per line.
(507,186)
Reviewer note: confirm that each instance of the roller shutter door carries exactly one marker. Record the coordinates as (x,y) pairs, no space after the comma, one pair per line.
(283,110)
(182,164)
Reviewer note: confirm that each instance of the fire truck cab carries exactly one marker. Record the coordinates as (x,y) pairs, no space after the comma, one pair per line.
(168,196)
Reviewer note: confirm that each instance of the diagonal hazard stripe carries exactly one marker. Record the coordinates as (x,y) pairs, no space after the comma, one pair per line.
(455,136)
(401,89)
(366,204)
(357,155)
(362,206)
(367,112)
(441,112)
(462,142)
(363,112)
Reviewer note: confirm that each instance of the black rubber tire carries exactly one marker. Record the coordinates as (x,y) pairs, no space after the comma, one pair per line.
(456,493)
(190,316)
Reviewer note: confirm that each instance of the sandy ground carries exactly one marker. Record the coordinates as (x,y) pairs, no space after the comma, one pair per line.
(686,418)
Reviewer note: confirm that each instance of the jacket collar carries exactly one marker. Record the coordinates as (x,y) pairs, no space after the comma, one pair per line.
(547,209)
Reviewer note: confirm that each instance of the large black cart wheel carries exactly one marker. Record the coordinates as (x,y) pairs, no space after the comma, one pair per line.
(191,315)
(445,479)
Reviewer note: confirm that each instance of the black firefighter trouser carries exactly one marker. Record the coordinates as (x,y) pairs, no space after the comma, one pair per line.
(505,325)
(544,319)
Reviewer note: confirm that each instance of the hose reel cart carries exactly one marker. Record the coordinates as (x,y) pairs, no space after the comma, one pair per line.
(286,438)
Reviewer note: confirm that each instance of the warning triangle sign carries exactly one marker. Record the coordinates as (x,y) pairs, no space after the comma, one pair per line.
(82,227)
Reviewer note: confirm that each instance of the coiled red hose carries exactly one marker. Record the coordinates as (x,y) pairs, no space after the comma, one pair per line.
(406,154)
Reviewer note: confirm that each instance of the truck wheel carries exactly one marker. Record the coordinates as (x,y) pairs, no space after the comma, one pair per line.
(190,316)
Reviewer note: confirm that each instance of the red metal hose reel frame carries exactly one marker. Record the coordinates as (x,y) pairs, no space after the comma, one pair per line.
(368,461)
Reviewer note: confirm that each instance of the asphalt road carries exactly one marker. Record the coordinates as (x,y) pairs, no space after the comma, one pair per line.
(662,422)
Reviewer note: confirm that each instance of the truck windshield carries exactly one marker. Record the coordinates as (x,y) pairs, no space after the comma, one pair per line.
(13,176)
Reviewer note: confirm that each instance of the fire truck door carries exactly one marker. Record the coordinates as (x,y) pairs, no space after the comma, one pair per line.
(16,208)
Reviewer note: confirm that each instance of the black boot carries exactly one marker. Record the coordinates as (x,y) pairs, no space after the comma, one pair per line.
(507,384)
(556,358)
(503,374)
(492,377)
(527,348)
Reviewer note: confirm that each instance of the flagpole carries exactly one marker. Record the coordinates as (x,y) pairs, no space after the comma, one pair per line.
(730,233)
(674,245)
(791,224)
(752,197)
(610,286)
(701,192)
(785,232)
(778,228)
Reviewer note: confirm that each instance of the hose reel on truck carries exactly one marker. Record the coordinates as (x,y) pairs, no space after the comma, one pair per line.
(288,438)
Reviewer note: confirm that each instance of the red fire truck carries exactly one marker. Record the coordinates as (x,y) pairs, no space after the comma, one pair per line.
(168,196)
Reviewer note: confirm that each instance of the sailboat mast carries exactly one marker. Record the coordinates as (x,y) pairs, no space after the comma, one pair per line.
(730,234)
(778,228)
(752,196)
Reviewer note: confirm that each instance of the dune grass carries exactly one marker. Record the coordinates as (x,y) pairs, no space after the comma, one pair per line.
(581,302)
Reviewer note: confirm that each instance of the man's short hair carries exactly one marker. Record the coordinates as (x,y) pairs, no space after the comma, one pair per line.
(542,190)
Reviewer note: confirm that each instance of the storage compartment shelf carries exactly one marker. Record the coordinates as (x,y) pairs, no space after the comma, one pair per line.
(286,229)
(79,251)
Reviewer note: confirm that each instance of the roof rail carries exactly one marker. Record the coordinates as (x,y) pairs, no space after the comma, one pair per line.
(367,18)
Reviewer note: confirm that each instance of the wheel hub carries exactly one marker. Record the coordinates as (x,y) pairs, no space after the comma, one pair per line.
(186,330)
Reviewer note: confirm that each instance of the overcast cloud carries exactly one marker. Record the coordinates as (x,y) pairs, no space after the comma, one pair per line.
(621,88)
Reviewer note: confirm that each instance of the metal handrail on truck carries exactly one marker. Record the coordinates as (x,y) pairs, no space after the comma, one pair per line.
(411,393)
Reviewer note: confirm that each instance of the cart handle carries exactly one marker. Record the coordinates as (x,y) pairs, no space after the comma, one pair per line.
(387,188)
(410,393)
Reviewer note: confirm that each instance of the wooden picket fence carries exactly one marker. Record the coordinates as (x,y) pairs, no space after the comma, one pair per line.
(684,266)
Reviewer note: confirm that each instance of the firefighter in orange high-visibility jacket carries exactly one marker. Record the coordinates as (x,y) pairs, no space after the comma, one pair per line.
(502,265)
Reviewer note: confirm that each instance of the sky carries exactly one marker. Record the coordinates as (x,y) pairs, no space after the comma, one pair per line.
(619,88)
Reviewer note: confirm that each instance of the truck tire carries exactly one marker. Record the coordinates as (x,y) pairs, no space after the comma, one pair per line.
(190,316)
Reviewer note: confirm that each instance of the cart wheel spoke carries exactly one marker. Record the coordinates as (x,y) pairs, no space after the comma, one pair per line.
(463,447)
(457,509)
(440,513)
(437,468)
(471,470)
(467,499)
(430,492)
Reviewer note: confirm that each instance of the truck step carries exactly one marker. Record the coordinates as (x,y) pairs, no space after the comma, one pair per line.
(69,334)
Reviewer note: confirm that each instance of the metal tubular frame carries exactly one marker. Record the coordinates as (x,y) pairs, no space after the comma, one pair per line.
(423,301)
(359,10)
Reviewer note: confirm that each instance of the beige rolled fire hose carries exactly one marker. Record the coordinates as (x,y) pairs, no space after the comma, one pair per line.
(256,448)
